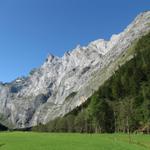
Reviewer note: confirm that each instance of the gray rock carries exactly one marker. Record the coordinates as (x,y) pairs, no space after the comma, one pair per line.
(62,84)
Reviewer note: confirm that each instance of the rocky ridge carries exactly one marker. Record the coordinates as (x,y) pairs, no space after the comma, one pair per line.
(62,84)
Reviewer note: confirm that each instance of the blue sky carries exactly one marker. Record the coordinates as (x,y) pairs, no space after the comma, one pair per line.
(30,29)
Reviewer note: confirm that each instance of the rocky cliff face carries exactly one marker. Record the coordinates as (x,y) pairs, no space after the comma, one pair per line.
(61,84)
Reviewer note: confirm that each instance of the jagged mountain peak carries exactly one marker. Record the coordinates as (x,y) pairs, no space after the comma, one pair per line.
(63,83)
(50,57)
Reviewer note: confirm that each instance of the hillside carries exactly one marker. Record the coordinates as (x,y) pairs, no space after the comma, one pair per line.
(121,104)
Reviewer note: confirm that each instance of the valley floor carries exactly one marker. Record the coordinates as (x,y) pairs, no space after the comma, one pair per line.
(62,141)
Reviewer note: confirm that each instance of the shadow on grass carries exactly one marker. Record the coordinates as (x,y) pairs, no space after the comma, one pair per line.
(2,144)
(141,144)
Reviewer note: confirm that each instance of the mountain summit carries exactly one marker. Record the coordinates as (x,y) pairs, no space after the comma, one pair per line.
(62,84)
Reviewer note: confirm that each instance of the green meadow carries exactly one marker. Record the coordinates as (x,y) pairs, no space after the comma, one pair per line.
(72,141)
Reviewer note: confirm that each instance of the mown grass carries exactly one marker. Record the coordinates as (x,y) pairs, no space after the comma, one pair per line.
(62,141)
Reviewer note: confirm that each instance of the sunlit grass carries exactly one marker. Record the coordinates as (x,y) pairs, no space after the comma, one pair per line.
(62,141)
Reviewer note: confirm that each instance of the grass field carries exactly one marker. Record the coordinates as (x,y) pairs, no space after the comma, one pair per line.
(62,141)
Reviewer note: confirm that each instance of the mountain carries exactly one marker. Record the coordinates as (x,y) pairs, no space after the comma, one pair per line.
(121,104)
(62,84)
